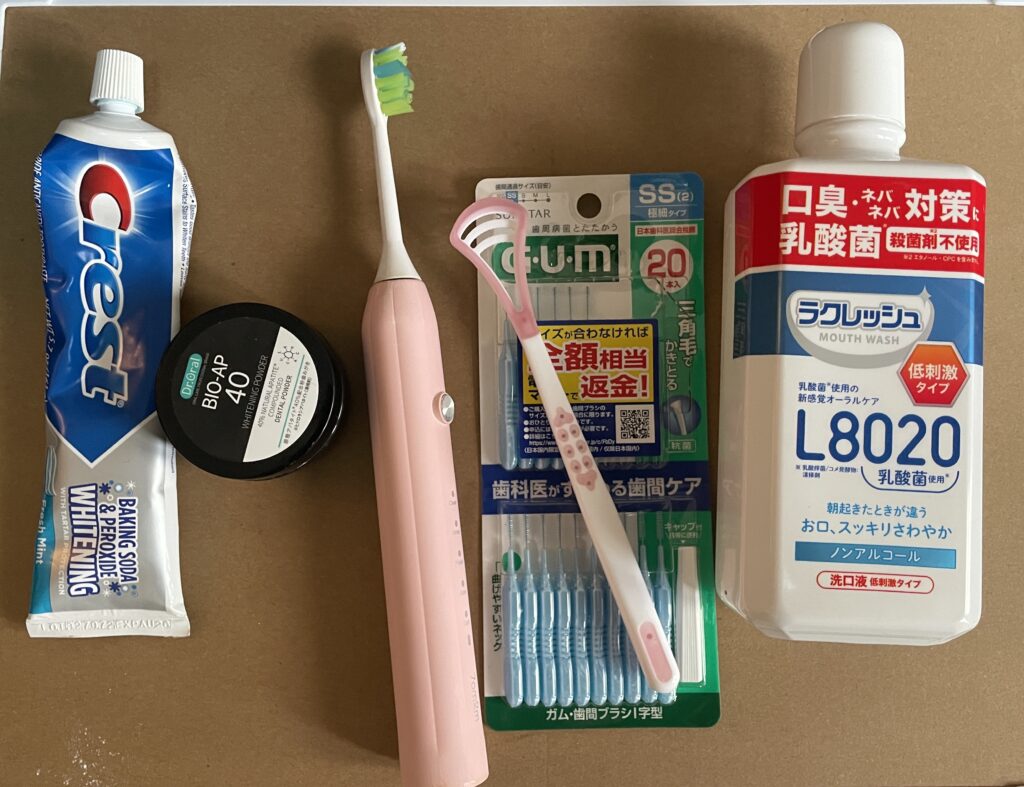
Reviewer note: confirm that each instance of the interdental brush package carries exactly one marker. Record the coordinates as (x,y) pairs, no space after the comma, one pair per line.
(115,212)
(596,542)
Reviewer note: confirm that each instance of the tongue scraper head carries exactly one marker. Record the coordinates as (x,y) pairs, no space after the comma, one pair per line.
(485,224)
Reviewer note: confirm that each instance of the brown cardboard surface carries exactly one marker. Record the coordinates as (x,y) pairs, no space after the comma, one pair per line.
(285,679)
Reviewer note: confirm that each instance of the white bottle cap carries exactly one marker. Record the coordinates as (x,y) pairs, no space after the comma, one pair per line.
(853,70)
(118,77)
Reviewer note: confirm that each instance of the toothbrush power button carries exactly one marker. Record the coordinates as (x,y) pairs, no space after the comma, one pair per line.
(444,407)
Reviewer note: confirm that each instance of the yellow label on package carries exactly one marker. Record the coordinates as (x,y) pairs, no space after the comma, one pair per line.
(599,362)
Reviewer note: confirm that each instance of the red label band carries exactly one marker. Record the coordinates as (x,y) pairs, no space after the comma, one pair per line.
(861,221)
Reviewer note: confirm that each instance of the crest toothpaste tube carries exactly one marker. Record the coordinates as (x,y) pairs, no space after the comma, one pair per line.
(115,210)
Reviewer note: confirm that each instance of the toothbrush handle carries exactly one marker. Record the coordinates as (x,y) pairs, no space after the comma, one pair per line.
(512,618)
(616,677)
(531,664)
(548,671)
(437,702)
(603,524)
(631,678)
(598,659)
(580,648)
(648,693)
(563,645)
(508,424)
(663,603)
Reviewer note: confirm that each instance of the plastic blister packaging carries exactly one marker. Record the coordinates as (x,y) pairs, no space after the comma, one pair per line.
(619,302)
(562,640)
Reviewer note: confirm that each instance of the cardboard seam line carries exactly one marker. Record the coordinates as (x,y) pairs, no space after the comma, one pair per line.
(4,6)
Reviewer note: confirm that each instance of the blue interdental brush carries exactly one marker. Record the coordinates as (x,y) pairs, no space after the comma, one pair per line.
(512,618)
(647,693)
(631,664)
(525,463)
(548,672)
(616,678)
(598,635)
(508,424)
(531,665)
(663,604)
(580,628)
(563,629)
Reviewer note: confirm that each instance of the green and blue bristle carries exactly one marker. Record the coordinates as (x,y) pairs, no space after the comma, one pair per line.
(393,80)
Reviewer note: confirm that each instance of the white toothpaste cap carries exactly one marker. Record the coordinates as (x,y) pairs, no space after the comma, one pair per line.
(118,77)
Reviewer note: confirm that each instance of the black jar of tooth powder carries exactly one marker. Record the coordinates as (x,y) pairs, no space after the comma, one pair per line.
(249,391)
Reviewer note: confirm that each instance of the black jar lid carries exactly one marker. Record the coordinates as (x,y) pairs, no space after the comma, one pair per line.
(249,391)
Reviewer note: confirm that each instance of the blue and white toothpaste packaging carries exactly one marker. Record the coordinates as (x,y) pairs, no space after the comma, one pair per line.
(115,210)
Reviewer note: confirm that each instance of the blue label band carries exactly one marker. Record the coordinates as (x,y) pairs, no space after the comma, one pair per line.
(666,197)
(760,317)
(875,554)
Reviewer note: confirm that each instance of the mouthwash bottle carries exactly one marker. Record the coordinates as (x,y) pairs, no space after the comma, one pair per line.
(851,408)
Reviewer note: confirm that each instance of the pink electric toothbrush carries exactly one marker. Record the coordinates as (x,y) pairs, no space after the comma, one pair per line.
(440,731)
(481,226)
